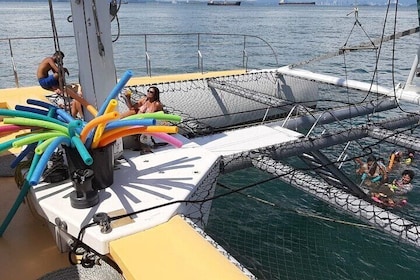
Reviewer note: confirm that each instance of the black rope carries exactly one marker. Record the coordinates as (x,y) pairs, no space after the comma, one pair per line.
(61,71)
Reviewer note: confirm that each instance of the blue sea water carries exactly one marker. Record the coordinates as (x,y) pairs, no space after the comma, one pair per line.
(295,236)
(295,34)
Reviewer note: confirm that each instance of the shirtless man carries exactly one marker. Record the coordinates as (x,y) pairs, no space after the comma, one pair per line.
(372,172)
(50,82)
(46,81)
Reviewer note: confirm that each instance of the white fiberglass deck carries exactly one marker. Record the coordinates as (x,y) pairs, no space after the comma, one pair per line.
(141,182)
(236,141)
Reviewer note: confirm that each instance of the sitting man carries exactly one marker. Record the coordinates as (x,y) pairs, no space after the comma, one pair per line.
(47,81)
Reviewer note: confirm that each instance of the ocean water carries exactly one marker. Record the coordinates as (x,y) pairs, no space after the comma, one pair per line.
(295,34)
(291,235)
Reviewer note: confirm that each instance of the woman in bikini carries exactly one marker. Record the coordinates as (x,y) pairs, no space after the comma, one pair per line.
(147,104)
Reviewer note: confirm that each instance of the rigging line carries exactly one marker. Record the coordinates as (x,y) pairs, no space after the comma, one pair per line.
(393,37)
(381,41)
(101,47)
(362,46)
(300,212)
(118,30)
(13,64)
(56,45)
(393,57)
(61,72)
(357,23)
(347,88)
(393,65)
(83,229)
(114,9)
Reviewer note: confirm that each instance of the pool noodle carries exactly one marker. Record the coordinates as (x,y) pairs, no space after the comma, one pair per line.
(29,115)
(160,115)
(8,144)
(125,122)
(89,139)
(31,109)
(83,152)
(92,110)
(21,196)
(10,128)
(65,115)
(93,123)
(38,123)
(145,115)
(114,134)
(23,154)
(100,129)
(35,137)
(116,90)
(167,138)
(40,167)
(40,149)
(75,126)
(142,129)
(40,103)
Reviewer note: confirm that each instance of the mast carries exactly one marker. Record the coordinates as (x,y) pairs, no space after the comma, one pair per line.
(92,31)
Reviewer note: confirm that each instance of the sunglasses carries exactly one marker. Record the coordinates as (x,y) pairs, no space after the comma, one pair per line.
(151,91)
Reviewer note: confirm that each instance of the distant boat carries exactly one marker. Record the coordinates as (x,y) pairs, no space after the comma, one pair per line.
(283,2)
(224,3)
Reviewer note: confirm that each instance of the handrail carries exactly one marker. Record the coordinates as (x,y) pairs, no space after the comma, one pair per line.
(200,62)
(171,53)
(148,61)
(286,119)
(200,56)
(13,65)
(148,65)
(343,156)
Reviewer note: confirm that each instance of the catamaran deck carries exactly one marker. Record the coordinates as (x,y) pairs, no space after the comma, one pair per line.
(148,181)
(236,141)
